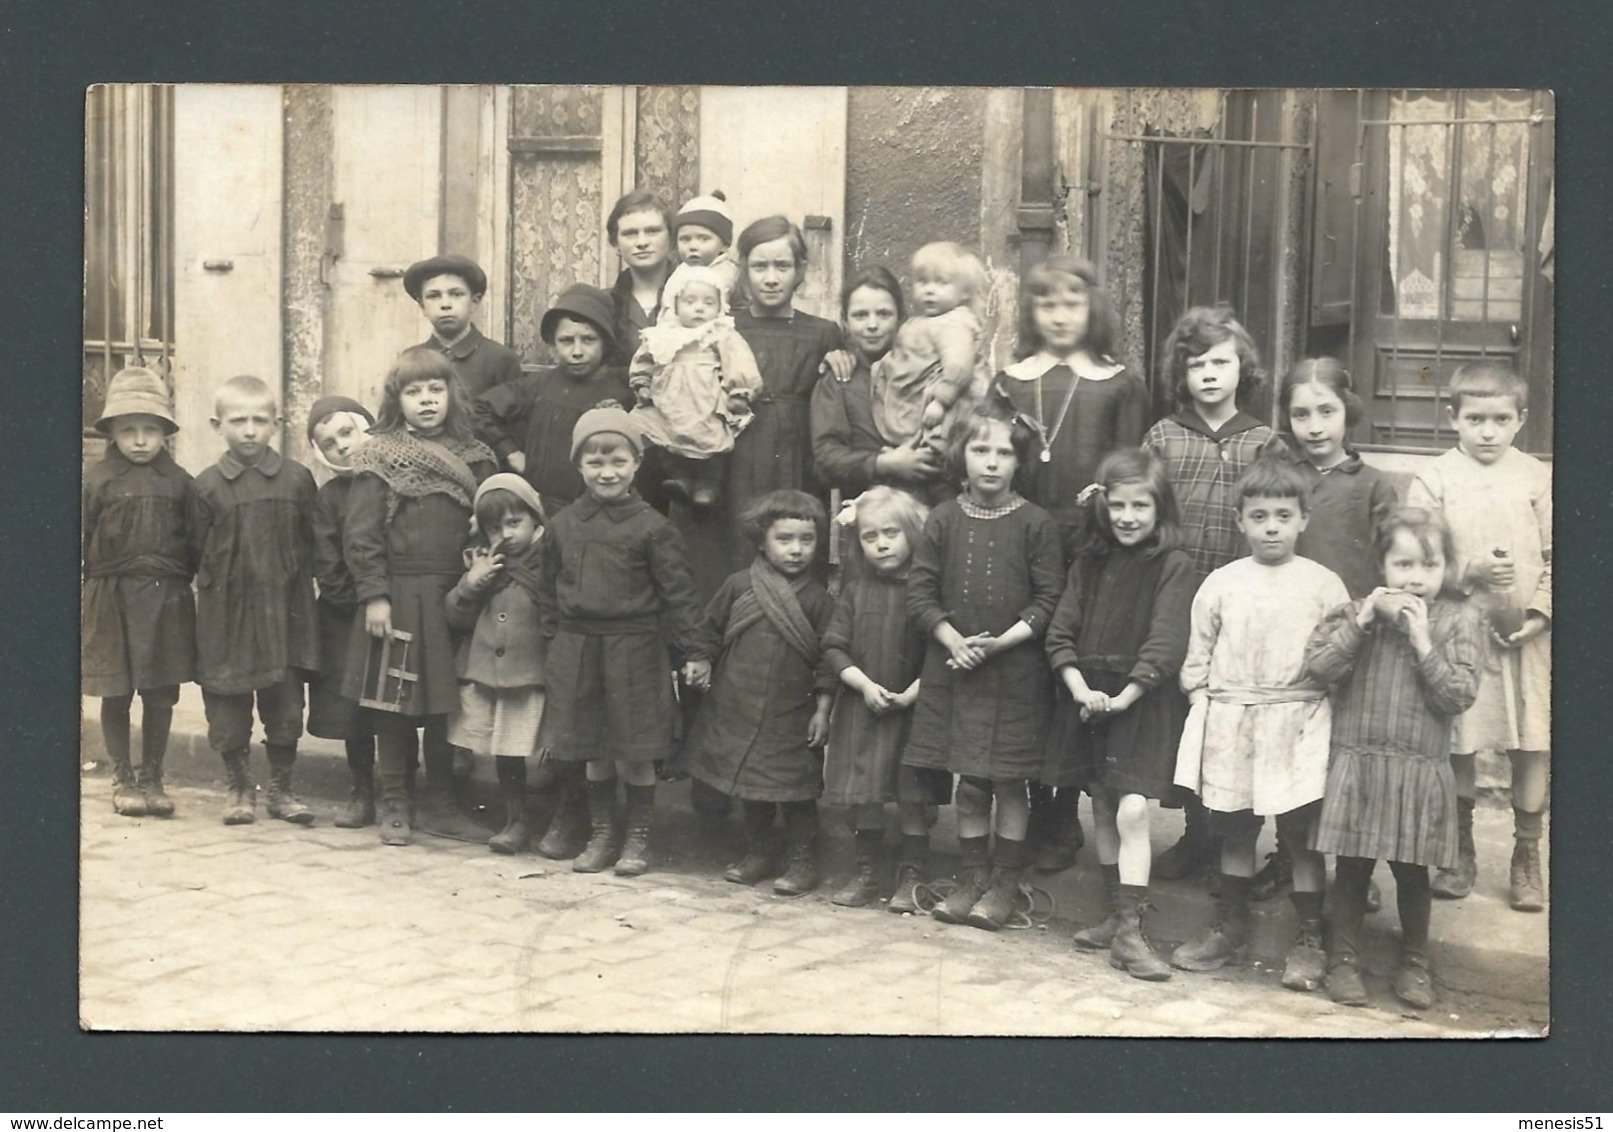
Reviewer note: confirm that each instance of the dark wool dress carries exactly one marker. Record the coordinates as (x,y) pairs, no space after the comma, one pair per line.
(1391,795)
(255,619)
(613,589)
(870,630)
(1124,617)
(138,623)
(535,414)
(330,714)
(1347,502)
(1103,416)
(414,561)
(983,571)
(750,737)
(774,451)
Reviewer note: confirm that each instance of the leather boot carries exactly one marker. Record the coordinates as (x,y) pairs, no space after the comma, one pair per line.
(239,809)
(1100,937)
(861,890)
(635,857)
(763,854)
(1528,887)
(1129,951)
(392,809)
(1192,851)
(973,876)
(360,810)
(1226,944)
(801,865)
(604,843)
(127,797)
(991,911)
(1455,884)
(283,803)
(515,835)
(436,807)
(1062,837)
(155,724)
(567,834)
(1306,966)
(909,872)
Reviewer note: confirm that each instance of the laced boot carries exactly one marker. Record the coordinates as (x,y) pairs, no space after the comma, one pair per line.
(1130,951)
(863,887)
(360,810)
(993,908)
(763,854)
(283,803)
(1225,944)
(1306,966)
(392,809)
(154,728)
(1344,983)
(567,834)
(239,809)
(436,807)
(1414,983)
(909,872)
(973,876)
(1191,850)
(801,866)
(604,843)
(1099,937)
(1455,884)
(635,858)
(515,835)
(127,797)
(1528,888)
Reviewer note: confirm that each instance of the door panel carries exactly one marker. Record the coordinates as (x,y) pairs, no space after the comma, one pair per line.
(388,185)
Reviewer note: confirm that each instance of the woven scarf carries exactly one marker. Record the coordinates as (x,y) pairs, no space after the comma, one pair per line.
(415,468)
(772,595)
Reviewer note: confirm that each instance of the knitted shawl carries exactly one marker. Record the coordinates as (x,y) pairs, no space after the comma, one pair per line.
(414,467)
(772,595)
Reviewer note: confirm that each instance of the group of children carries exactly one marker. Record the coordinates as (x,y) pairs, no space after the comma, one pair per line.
(1208,612)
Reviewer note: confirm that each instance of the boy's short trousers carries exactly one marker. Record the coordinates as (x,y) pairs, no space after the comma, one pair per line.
(923,786)
(1237,822)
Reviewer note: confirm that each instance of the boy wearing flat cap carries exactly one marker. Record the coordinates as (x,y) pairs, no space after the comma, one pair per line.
(449,289)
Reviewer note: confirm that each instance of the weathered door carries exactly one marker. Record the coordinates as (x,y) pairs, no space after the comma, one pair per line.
(385,214)
(1454,188)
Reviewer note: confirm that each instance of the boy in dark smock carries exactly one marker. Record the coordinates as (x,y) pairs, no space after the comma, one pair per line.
(256,625)
(449,289)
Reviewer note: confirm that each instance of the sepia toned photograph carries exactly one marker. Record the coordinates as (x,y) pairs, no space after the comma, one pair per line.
(902,560)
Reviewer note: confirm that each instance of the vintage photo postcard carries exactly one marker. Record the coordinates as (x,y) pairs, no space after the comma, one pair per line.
(826,560)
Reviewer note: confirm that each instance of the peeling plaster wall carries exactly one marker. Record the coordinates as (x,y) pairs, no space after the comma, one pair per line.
(913,166)
(310,174)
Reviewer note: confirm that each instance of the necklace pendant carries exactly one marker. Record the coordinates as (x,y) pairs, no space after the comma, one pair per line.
(1047,455)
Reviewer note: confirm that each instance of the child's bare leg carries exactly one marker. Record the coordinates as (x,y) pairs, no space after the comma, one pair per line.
(1008,856)
(1105,828)
(1529,786)
(1453,884)
(1238,848)
(1013,810)
(1107,837)
(1135,855)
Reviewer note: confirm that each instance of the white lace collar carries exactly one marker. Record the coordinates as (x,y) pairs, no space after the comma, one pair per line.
(1035,366)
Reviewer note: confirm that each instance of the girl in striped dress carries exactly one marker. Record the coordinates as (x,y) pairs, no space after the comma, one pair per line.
(1401,663)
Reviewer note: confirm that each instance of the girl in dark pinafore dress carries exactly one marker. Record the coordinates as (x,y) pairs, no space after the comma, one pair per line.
(986,575)
(408,512)
(877,652)
(1117,642)
(139,618)
(760,732)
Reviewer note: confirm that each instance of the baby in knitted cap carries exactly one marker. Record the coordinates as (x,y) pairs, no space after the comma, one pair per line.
(694,378)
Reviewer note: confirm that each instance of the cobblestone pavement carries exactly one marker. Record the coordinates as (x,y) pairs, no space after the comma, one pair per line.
(188,924)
